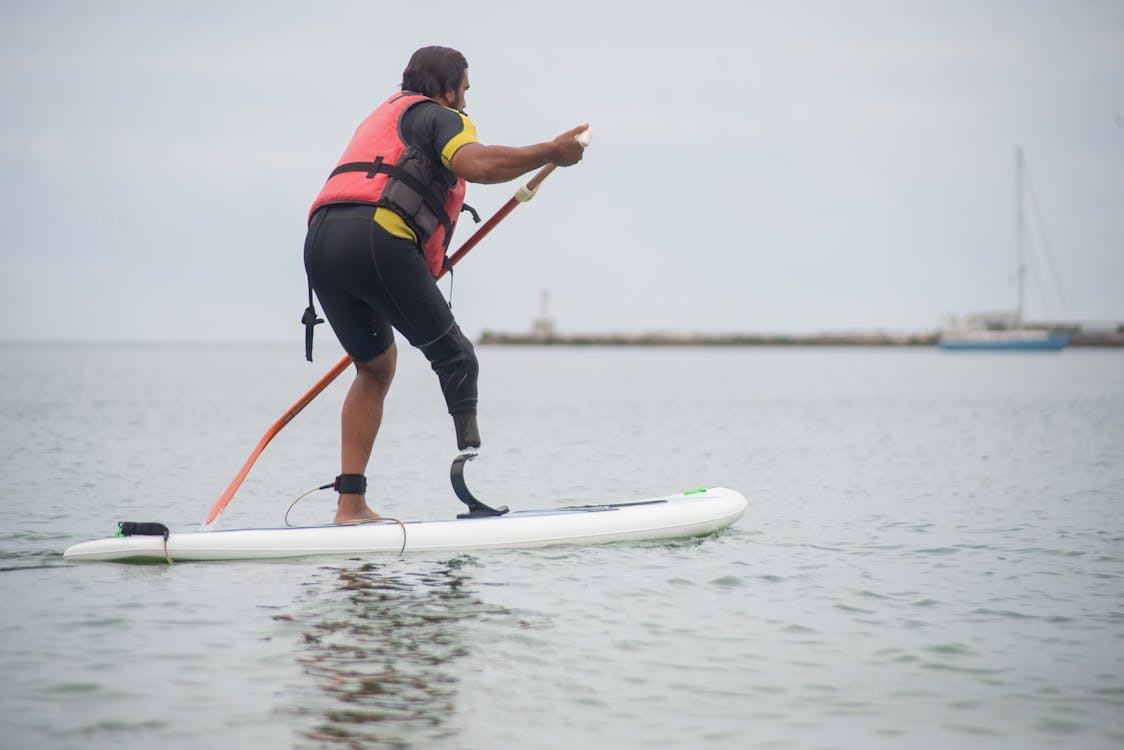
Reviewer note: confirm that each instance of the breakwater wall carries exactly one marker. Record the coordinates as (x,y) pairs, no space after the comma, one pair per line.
(489,338)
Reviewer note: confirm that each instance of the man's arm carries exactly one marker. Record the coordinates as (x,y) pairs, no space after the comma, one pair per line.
(476,162)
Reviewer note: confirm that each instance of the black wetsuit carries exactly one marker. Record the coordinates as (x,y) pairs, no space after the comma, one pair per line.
(370,274)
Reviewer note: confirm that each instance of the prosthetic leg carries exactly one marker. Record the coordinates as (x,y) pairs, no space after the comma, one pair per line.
(454,361)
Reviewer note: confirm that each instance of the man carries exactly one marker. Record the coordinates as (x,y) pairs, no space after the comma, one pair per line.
(377,237)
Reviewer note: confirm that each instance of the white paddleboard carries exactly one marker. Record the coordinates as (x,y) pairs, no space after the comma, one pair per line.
(687,514)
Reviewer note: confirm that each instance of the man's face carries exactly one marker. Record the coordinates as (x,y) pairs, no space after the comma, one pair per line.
(457,97)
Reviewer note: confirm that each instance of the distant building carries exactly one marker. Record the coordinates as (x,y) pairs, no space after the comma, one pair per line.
(542,327)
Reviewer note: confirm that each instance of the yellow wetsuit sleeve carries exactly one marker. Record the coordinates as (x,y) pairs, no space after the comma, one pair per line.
(465,136)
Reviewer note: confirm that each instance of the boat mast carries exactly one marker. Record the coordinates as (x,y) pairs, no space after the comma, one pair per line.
(1020,267)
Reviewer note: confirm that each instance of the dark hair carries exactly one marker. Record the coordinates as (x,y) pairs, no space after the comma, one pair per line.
(433,71)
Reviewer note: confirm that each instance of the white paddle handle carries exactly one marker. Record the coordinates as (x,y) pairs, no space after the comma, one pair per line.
(526,192)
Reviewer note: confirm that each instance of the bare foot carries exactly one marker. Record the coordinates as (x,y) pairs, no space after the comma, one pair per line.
(354,509)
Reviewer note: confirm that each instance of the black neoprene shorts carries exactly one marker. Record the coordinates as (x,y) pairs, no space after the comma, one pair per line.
(369,282)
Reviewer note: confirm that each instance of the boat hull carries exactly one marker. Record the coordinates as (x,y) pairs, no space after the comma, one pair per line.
(1005,341)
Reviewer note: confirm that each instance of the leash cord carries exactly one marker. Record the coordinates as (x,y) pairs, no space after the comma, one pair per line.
(293,504)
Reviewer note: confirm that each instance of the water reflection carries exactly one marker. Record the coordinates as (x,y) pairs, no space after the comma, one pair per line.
(383,657)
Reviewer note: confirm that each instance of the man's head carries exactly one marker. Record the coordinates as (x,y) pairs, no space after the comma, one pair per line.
(438,72)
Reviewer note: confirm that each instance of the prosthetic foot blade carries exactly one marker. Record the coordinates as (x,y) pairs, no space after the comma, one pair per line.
(476,509)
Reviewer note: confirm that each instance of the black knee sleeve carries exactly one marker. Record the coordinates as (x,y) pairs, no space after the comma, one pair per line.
(454,361)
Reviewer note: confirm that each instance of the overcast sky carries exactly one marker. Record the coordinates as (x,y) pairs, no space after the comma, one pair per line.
(757,166)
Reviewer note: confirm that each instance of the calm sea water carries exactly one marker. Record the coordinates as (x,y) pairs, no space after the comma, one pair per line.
(933,555)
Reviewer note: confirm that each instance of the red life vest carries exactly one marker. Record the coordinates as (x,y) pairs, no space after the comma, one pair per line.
(378,167)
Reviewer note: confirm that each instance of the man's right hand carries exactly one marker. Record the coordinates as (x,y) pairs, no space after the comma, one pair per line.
(567,149)
(476,162)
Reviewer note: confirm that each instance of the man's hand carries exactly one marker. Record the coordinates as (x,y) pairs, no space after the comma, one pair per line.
(476,162)
(568,150)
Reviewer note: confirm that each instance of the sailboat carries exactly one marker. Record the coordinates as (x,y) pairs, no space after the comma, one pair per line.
(1005,330)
